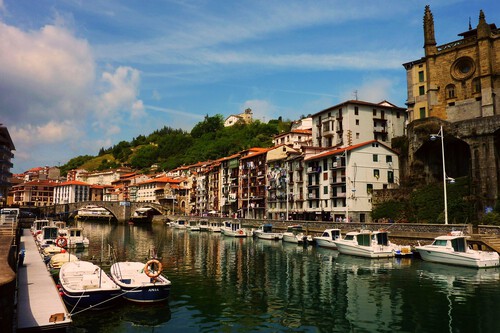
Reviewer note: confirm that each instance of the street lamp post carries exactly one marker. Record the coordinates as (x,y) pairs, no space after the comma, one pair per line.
(440,134)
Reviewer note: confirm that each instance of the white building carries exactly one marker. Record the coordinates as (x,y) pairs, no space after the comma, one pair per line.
(353,122)
(340,182)
(71,192)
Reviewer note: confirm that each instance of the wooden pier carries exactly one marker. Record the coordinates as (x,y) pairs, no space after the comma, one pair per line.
(39,305)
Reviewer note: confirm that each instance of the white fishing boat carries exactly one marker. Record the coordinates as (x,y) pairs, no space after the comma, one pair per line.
(233,229)
(141,282)
(214,226)
(266,232)
(193,225)
(452,249)
(328,238)
(360,243)
(47,236)
(76,238)
(37,225)
(381,237)
(93,212)
(180,224)
(295,234)
(203,225)
(85,285)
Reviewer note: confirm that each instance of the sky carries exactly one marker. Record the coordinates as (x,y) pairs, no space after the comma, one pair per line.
(80,75)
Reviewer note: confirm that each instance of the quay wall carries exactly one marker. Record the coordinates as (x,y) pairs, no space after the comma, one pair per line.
(8,262)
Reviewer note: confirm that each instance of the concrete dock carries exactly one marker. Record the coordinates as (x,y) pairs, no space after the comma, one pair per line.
(39,307)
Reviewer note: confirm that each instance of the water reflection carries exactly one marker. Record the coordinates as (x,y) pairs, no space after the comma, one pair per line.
(245,285)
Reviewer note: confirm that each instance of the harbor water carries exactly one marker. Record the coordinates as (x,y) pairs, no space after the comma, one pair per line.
(222,284)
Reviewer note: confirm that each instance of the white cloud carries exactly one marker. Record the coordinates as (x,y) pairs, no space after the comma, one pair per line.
(261,109)
(372,90)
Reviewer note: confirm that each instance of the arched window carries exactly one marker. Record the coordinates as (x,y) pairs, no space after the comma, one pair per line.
(450,91)
(476,85)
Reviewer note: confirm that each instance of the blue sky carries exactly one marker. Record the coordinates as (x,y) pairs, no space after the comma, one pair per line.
(78,75)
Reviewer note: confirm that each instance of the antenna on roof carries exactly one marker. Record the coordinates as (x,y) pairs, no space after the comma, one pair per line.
(355,95)
(470,25)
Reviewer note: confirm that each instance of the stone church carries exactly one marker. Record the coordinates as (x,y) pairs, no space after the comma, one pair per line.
(454,93)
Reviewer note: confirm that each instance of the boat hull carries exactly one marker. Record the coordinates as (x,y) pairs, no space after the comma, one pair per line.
(364,251)
(328,243)
(475,260)
(94,300)
(269,235)
(146,294)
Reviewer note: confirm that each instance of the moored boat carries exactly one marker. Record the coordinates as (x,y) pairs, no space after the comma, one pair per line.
(193,225)
(233,229)
(266,232)
(180,224)
(141,282)
(328,238)
(452,249)
(86,286)
(295,234)
(360,243)
(76,239)
(215,226)
(203,224)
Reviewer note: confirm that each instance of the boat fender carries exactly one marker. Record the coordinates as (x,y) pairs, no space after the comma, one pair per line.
(62,241)
(150,270)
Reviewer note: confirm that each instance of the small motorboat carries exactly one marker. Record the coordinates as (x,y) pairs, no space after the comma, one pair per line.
(328,238)
(233,229)
(452,249)
(295,234)
(203,224)
(266,232)
(76,239)
(85,285)
(193,225)
(215,226)
(141,282)
(360,243)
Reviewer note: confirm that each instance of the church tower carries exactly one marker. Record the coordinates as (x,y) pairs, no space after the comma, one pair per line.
(457,86)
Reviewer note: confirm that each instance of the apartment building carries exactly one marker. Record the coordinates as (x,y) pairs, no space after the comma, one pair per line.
(353,122)
(6,148)
(71,191)
(33,193)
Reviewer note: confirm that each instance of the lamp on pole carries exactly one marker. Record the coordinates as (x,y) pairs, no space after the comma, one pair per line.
(440,134)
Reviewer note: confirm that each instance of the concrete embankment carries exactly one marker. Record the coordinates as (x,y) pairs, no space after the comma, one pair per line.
(8,259)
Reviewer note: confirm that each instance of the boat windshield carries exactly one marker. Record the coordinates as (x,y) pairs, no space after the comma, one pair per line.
(349,237)
(440,242)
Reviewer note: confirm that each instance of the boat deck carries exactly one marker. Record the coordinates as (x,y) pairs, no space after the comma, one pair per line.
(39,305)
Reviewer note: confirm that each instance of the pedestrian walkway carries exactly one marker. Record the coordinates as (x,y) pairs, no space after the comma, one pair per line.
(39,305)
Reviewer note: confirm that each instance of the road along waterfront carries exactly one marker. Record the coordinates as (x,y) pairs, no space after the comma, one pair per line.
(222,284)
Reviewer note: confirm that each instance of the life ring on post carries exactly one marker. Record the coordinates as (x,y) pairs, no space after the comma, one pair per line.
(62,241)
(153,268)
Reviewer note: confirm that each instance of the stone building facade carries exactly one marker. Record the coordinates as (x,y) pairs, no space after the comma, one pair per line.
(456,87)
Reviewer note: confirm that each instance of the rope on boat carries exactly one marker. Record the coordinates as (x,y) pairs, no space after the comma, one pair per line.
(93,306)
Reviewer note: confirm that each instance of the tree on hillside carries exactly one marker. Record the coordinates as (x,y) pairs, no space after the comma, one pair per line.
(208,125)
(144,157)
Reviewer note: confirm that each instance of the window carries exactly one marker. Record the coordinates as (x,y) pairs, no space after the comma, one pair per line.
(476,85)
(374,112)
(421,76)
(422,112)
(356,110)
(325,175)
(369,188)
(376,173)
(357,122)
(450,91)
(375,158)
(357,135)
(390,177)
(421,90)
(398,115)
(325,189)
(388,158)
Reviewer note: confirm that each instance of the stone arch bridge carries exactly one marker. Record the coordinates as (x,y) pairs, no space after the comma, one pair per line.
(121,210)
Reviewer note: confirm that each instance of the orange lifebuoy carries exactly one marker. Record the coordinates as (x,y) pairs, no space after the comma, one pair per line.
(240,232)
(152,273)
(62,241)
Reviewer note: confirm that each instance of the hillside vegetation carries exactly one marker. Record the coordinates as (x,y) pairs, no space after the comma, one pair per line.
(168,148)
